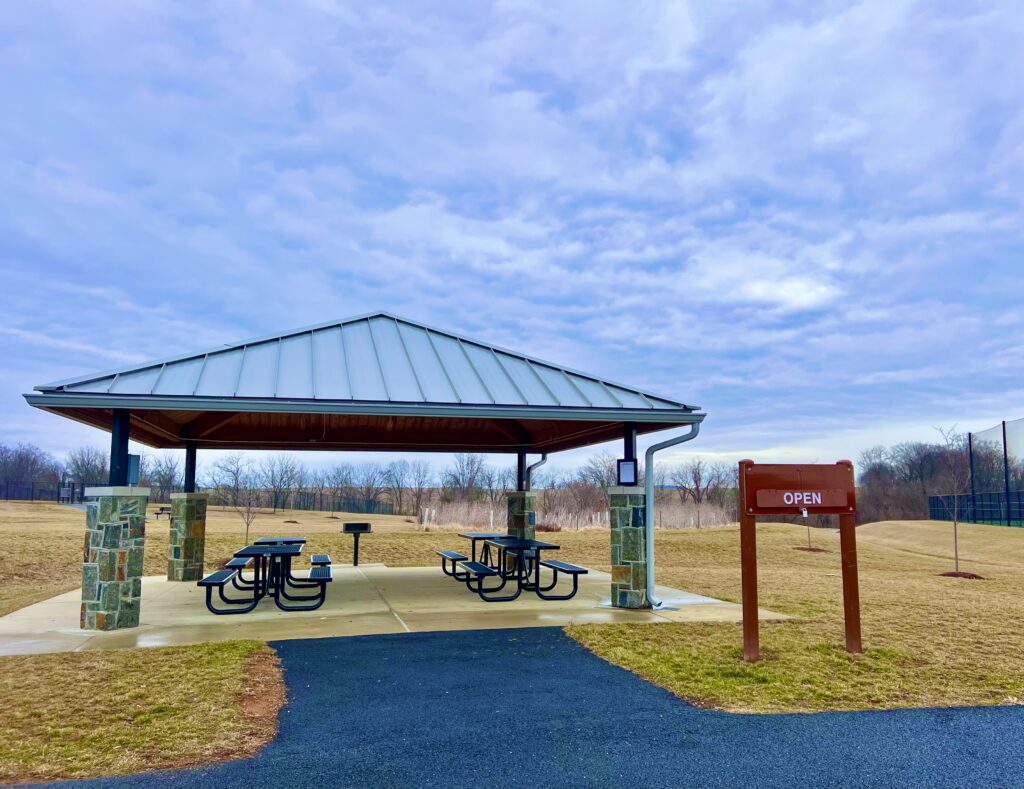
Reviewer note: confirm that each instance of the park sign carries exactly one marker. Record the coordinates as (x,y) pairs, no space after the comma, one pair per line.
(788,489)
(797,489)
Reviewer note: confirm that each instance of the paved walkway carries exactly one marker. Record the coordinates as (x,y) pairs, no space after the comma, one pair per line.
(361,601)
(531,708)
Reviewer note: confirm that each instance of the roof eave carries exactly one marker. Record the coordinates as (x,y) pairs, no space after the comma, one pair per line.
(57,400)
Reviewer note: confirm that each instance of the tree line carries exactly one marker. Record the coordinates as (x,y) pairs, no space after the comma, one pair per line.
(894,482)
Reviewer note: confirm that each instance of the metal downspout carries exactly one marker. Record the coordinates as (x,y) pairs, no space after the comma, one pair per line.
(653,601)
(529,469)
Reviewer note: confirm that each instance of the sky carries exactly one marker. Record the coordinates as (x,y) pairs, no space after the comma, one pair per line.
(805,217)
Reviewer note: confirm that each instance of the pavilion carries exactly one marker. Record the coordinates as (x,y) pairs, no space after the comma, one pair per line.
(372,382)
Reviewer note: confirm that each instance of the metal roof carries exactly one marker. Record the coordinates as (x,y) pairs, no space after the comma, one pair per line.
(371,365)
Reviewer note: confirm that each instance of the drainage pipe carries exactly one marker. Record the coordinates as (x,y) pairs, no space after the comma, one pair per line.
(529,469)
(653,601)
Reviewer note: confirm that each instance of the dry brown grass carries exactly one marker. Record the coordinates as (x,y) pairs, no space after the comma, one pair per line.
(82,714)
(931,641)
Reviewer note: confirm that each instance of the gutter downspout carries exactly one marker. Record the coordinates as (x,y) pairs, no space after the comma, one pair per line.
(653,601)
(529,469)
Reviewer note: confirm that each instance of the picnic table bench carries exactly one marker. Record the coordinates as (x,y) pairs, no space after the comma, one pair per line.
(162,511)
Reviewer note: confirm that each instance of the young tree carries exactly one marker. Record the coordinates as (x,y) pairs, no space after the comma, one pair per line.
(956,465)
(246,502)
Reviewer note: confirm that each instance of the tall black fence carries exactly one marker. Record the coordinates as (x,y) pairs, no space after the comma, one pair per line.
(74,493)
(1000,509)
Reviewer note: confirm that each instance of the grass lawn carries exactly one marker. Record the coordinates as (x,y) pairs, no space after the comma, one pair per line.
(930,640)
(109,713)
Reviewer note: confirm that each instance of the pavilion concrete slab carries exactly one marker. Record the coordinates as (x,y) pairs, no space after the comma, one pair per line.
(361,601)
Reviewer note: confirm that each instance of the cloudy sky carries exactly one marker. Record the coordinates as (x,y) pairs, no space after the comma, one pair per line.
(805,217)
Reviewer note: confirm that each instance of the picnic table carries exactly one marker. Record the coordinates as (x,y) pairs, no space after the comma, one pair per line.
(517,560)
(272,577)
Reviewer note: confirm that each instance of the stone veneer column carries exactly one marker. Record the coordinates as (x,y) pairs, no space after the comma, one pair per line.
(188,537)
(522,514)
(629,555)
(115,540)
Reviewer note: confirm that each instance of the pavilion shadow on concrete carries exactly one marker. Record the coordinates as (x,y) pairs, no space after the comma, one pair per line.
(373,382)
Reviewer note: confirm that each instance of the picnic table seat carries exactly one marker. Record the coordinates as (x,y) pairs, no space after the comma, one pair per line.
(454,557)
(240,582)
(320,559)
(318,578)
(558,567)
(218,580)
(475,572)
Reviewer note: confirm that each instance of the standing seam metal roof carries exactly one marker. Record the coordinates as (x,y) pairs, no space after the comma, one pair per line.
(371,358)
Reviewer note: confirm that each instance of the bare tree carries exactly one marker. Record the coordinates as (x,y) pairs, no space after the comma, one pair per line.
(246,502)
(601,471)
(281,473)
(496,481)
(421,480)
(958,479)
(319,483)
(462,479)
(341,478)
(28,463)
(697,481)
(369,482)
(88,464)
(165,473)
(227,477)
(396,476)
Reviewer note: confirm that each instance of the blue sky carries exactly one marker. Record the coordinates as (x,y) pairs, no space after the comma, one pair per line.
(805,217)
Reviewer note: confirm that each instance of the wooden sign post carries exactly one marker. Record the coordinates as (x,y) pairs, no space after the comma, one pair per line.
(781,489)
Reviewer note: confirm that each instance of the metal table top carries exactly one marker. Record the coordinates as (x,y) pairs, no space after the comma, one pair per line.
(513,544)
(270,550)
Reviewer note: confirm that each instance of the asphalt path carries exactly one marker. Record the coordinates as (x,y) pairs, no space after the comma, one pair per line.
(531,708)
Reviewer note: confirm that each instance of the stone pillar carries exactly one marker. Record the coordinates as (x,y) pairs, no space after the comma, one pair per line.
(629,550)
(522,514)
(115,540)
(188,537)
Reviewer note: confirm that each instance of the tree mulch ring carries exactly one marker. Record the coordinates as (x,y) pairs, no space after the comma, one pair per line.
(809,550)
(971,576)
(291,521)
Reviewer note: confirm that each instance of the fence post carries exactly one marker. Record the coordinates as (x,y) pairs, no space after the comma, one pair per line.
(1006,476)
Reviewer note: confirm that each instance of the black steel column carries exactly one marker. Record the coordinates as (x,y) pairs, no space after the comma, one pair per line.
(629,441)
(119,429)
(970,458)
(521,471)
(1006,476)
(190,466)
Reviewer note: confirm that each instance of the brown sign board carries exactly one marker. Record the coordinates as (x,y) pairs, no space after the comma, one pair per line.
(786,489)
